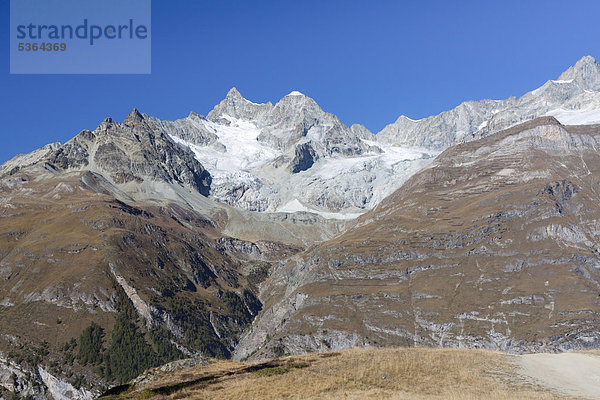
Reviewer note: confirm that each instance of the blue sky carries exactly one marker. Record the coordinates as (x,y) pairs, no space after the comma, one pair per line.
(367,62)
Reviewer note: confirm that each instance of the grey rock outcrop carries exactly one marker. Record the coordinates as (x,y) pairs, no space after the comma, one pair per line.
(23,160)
(440,131)
(586,73)
(131,152)
(304,158)
(190,129)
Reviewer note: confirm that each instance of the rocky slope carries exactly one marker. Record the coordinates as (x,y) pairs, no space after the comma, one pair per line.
(113,229)
(495,246)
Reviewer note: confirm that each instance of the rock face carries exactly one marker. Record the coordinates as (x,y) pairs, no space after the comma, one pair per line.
(293,156)
(235,106)
(494,246)
(304,158)
(441,131)
(190,129)
(573,98)
(132,151)
(126,154)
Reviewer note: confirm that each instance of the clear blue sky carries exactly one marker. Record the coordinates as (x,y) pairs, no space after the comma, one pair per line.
(367,62)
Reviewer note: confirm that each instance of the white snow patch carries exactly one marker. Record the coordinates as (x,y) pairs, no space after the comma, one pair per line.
(576,117)
(244,156)
(295,93)
(410,119)
(331,168)
(242,152)
(251,102)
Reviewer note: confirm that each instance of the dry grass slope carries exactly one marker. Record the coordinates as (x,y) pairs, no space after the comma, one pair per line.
(399,373)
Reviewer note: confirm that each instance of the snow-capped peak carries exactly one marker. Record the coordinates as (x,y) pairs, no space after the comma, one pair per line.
(409,119)
(295,93)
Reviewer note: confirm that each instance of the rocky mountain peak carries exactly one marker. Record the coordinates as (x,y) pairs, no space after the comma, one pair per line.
(235,105)
(296,96)
(234,94)
(362,132)
(573,98)
(194,114)
(133,118)
(297,102)
(585,72)
(106,125)
(585,61)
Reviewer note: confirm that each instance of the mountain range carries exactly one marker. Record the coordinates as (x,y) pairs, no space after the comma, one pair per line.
(261,230)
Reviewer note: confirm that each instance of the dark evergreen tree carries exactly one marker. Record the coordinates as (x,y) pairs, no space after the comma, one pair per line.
(90,345)
(129,353)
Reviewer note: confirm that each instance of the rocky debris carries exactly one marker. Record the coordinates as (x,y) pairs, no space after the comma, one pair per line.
(61,390)
(561,191)
(17,380)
